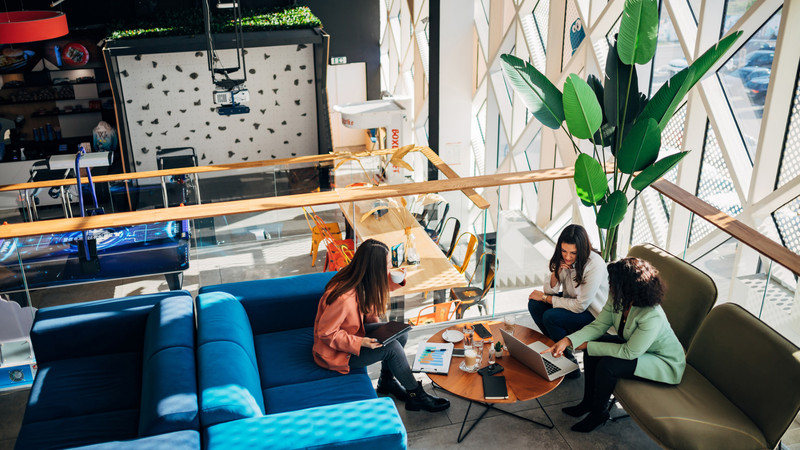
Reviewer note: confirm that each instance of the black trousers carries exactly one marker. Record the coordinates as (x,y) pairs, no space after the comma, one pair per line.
(392,357)
(602,373)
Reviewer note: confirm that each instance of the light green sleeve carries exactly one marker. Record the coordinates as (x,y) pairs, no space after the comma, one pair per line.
(597,328)
(648,327)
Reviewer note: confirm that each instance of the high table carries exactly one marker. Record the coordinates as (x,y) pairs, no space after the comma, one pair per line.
(434,272)
(522,383)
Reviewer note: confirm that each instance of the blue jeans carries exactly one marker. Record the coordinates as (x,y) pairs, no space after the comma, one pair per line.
(556,323)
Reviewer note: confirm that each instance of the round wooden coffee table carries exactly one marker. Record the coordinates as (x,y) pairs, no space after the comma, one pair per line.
(522,383)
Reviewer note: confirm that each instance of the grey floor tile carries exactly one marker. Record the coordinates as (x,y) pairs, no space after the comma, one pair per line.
(12,405)
(622,434)
(492,432)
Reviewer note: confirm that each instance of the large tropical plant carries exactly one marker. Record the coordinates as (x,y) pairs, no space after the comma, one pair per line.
(614,115)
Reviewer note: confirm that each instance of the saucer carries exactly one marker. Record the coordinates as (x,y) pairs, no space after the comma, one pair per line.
(463,367)
(453,336)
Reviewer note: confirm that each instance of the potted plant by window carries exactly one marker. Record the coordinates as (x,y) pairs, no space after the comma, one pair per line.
(614,116)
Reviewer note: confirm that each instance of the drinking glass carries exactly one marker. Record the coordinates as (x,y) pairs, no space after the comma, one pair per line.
(477,344)
(509,324)
(467,337)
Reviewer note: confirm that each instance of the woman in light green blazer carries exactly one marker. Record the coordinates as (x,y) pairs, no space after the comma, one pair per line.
(645,345)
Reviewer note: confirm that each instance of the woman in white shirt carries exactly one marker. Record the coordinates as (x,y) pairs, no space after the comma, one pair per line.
(576,289)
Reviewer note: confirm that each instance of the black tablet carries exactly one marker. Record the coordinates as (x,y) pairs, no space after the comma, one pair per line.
(389,331)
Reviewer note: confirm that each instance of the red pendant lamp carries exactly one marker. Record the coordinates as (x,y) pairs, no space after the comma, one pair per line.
(30,26)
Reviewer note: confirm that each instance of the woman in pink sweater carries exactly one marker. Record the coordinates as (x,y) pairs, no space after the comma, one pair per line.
(353,300)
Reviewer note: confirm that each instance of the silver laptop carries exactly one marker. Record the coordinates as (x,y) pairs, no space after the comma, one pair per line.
(547,366)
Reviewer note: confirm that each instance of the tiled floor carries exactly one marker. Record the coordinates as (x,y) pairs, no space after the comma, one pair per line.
(425,430)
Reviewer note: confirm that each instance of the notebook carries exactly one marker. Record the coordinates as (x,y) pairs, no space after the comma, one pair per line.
(547,366)
(433,357)
(494,387)
(389,332)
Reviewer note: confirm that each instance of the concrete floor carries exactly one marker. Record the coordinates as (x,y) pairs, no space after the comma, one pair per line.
(289,255)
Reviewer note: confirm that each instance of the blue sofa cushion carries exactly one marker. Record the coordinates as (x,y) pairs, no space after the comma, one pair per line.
(227,369)
(94,328)
(285,358)
(278,304)
(178,440)
(366,424)
(73,431)
(342,389)
(169,380)
(76,387)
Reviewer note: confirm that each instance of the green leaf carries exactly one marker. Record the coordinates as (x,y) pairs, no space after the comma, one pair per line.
(656,171)
(621,83)
(581,108)
(640,147)
(638,31)
(605,136)
(613,211)
(711,56)
(590,179)
(540,96)
(664,103)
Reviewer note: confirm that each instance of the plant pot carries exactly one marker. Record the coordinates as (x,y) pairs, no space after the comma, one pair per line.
(498,354)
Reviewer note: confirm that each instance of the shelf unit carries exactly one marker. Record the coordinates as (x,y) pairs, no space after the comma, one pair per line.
(75,125)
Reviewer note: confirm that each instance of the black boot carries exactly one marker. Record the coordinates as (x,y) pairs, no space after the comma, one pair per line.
(419,399)
(577,410)
(388,385)
(592,421)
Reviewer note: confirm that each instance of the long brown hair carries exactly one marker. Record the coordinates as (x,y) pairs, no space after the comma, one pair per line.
(366,273)
(577,236)
(634,282)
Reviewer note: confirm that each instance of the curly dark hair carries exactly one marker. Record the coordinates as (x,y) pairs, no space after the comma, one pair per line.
(634,282)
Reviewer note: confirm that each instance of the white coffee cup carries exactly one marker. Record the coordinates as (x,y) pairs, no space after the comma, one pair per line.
(470,356)
(397,276)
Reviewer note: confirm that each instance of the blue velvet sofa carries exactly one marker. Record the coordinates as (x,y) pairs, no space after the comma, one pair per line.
(116,373)
(259,385)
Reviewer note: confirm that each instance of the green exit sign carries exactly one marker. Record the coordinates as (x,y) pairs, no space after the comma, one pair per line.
(339,60)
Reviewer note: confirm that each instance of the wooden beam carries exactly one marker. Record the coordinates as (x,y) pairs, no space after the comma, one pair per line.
(736,229)
(479,201)
(191,170)
(274,203)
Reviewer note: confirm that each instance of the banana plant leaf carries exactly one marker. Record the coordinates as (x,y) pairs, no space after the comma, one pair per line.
(605,135)
(663,104)
(638,32)
(581,109)
(540,96)
(640,147)
(711,56)
(649,175)
(613,211)
(622,84)
(590,179)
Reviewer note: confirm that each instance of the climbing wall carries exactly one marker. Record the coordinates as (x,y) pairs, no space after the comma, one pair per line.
(168,103)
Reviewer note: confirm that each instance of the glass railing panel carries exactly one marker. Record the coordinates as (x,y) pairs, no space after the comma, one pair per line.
(17,358)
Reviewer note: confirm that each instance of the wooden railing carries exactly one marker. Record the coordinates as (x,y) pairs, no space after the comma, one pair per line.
(721,220)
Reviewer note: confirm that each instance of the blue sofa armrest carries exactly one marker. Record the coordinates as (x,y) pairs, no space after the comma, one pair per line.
(169,376)
(227,369)
(94,328)
(278,304)
(179,440)
(364,424)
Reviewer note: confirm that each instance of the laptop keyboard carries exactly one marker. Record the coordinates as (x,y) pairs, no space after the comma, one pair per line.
(550,367)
